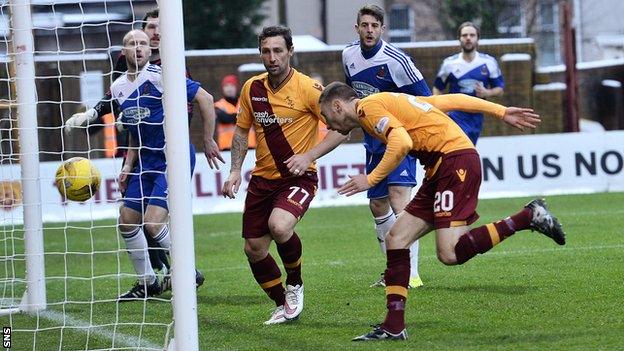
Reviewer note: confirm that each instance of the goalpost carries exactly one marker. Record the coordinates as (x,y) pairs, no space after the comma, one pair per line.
(62,294)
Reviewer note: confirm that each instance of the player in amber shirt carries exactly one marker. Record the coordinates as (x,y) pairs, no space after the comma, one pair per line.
(447,199)
(282,105)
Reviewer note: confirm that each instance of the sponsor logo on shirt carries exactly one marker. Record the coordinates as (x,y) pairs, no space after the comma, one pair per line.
(136,114)
(363,89)
(380,127)
(259,98)
(263,118)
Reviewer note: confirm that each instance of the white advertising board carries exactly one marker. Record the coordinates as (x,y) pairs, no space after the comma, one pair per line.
(512,166)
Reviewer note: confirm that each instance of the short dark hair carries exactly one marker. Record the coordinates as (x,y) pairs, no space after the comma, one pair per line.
(468,24)
(371,10)
(337,90)
(275,31)
(151,14)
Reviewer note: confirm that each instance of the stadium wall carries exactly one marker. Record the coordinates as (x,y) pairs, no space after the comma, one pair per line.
(58,83)
(512,166)
(592,103)
(58,79)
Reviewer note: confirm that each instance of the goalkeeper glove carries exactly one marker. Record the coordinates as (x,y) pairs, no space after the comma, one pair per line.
(80,119)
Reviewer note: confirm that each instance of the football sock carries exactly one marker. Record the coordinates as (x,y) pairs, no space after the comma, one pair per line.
(269,277)
(137,250)
(397,280)
(414,259)
(154,253)
(163,238)
(481,239)
(290,253)
(382,227)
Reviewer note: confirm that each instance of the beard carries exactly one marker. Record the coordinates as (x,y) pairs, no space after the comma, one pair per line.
(469,48)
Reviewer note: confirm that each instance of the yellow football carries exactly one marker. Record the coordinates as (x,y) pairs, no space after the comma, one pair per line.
(77,179)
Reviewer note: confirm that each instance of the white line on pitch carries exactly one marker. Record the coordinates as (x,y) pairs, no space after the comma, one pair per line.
(66,320)
(119,339)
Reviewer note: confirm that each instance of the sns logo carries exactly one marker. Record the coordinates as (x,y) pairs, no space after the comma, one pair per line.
(380,127)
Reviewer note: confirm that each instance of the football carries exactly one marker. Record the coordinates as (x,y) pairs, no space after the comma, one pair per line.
(77,179)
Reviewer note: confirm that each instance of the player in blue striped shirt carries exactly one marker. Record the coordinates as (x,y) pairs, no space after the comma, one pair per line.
(372,65)
(469,72)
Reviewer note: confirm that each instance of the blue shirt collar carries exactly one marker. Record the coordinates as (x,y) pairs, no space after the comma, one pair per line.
(372,52)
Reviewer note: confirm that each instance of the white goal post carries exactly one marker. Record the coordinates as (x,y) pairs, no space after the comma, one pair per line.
(66,305)
(23,51)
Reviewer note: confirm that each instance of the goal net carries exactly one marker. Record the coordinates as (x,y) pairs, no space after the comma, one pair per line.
(64,262)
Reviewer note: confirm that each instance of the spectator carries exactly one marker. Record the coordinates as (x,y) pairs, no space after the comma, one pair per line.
(226,110)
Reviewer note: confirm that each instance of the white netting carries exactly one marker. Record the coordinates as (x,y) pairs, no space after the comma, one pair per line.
(86,262)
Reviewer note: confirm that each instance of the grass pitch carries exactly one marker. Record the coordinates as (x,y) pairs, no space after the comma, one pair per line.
(525,294)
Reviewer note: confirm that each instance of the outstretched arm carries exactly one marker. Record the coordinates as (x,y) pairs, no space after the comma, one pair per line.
(514,116)
(92,116)
(463,102)
(399,145)
(521,118)
(301,162)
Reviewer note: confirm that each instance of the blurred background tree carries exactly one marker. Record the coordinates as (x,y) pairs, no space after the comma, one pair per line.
(221,24)
(484,13)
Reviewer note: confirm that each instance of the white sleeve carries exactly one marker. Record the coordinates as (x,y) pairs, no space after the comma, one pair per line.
(492,66)
(444,71)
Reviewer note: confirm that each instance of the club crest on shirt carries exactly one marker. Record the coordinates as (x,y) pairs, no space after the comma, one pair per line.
(484,70)
(290,102)
(145,90)
(381,73)
(380,127)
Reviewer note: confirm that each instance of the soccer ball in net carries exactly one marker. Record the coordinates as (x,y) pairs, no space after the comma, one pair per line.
(77,179)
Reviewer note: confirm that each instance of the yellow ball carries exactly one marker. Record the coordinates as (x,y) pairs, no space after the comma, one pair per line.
(77,179)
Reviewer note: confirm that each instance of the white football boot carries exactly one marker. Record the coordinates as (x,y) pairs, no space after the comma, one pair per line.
(294,301)
(277,317)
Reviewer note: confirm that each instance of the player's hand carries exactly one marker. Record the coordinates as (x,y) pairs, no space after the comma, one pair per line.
(521,118)
(211,150)
(231,185)
(298,164)
(356,184)
(119,124)
(124,174)
(80,119)
(481,91)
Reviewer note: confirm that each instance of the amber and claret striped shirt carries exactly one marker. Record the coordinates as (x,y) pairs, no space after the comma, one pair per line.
(433,134)
(285,119)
